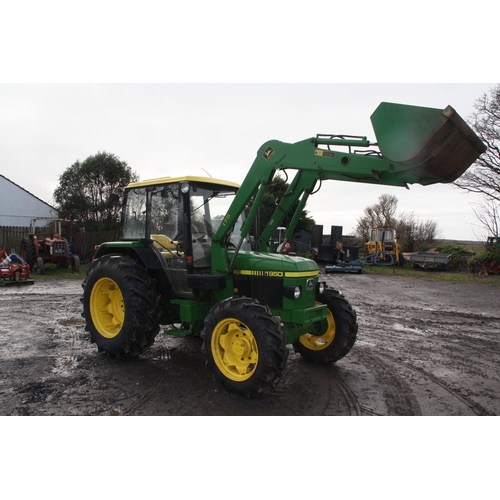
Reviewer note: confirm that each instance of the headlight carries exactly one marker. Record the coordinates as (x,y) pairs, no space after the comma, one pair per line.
(321,287)
(292,292)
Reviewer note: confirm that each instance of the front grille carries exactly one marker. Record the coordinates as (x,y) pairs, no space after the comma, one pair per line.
(268,291)
(59,247)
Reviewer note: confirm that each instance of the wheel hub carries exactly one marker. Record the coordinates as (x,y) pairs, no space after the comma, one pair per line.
(107,307)
(317,343)
(235,349)
(241,347)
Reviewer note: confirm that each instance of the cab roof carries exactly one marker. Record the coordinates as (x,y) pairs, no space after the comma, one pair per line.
(187,178)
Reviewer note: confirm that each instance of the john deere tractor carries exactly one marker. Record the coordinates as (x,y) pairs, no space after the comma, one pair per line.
(183,262)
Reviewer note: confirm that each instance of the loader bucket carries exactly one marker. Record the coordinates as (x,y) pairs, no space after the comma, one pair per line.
(437,145)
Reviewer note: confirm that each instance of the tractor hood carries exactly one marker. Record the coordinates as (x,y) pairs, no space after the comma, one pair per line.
(274,265)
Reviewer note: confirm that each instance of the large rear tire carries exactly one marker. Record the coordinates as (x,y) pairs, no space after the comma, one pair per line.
(120,306)
(340,336)
(27,252)
(245,346)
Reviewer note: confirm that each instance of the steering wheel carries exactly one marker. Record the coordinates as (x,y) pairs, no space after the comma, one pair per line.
(199,235)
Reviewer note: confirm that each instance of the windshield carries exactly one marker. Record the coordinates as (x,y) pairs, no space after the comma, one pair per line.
(208,209)
(383,234)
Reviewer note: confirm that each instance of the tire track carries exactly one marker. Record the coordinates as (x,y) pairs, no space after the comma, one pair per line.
(398,396)
(164,359)
(349,398)
(472,405)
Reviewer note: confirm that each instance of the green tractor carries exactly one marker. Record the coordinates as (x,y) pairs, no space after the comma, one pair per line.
(493,242)
(184,258)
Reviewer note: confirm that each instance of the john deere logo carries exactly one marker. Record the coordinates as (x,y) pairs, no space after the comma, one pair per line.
(268,153)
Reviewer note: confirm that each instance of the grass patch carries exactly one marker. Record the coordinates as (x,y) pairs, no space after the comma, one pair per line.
(408,271)
(55,272)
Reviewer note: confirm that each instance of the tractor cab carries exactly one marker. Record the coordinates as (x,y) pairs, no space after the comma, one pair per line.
(493,242)
(385,235)
(180,216)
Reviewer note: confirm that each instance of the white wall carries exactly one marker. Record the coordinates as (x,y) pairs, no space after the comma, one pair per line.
(18,206)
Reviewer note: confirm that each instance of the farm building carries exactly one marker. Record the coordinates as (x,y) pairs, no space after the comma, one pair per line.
(18,206)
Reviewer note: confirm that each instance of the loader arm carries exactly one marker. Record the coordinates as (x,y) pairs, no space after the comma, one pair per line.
(414,145)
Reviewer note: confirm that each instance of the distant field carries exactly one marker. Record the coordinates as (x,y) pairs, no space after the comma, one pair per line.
(472,246)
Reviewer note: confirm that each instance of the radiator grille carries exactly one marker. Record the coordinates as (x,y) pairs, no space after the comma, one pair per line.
(59,247)
(268,291)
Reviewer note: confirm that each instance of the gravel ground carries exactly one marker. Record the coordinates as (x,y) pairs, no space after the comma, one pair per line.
(424,348)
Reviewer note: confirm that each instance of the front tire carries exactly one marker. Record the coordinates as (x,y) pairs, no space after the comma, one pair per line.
(120,306)
(340,336)
(41,266)
(75,264)
(245,346)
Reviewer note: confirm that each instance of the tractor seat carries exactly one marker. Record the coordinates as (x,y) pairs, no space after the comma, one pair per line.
(167,247)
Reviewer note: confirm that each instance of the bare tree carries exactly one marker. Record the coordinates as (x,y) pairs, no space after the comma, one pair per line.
(378,214)
(484,176)
(488,214)
(413,233)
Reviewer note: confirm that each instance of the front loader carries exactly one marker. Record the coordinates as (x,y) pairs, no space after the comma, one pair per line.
(184,259)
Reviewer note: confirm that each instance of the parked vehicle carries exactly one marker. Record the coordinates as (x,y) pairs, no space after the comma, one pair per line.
(13,269)
(493,242)
(54,248)
(383,247)
(431,260)
(184,257)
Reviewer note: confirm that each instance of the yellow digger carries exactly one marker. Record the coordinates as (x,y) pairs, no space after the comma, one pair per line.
(383,247)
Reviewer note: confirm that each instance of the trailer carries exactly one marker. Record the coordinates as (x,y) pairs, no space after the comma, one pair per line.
(431,260)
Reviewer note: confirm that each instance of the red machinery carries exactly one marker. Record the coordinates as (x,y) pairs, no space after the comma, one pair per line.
(54,249)
(13,269)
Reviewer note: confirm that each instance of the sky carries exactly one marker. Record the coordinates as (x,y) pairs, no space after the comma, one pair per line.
(163,129)
(197,88)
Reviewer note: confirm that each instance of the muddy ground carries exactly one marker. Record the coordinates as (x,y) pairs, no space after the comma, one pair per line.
(424,348)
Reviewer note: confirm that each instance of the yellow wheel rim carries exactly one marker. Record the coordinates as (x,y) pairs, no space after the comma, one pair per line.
(234,349)
(107,308)
(315,343)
